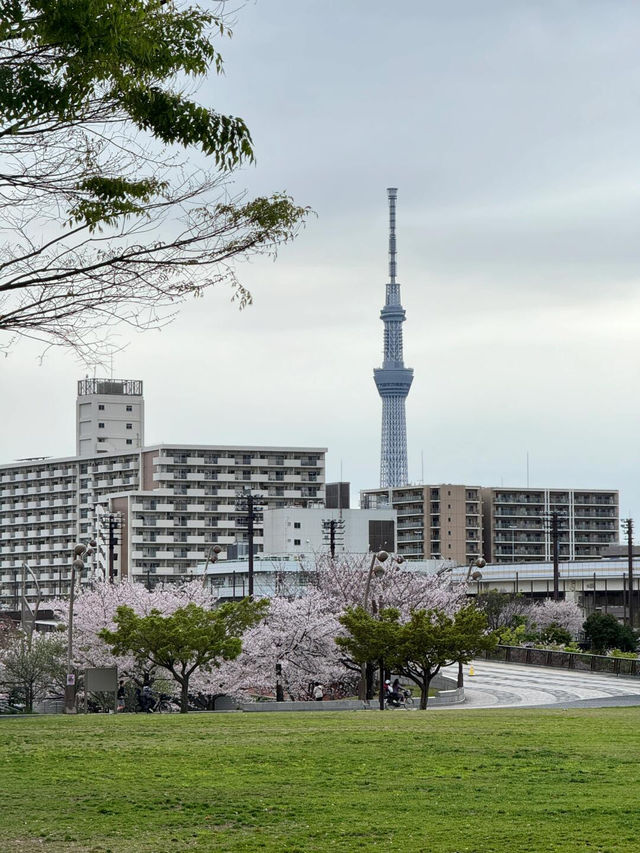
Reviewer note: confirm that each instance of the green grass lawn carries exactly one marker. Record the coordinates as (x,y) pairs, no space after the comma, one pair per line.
(442,781)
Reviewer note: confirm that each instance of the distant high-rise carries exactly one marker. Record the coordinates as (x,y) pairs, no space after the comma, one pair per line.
(393,380)
(109,416)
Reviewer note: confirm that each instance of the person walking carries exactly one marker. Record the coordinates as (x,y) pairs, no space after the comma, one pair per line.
(318,692)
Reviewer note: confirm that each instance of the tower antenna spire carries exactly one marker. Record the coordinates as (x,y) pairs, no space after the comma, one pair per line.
(392,193)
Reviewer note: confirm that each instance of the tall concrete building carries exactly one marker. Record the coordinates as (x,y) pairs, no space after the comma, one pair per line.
(155,512)
(109,416)
(516,523)
(441,521)
(393,380)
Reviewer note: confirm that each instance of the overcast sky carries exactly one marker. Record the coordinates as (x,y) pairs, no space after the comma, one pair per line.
(512,131)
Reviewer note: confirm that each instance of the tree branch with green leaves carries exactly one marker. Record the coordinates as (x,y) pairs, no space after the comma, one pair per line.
(107,215)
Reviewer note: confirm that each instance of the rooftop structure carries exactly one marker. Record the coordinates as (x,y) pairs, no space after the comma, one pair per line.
(109,416)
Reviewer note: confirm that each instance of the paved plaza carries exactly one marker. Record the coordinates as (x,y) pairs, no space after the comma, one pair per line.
(510,685)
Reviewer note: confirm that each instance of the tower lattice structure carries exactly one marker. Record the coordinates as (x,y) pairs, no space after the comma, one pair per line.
(393,380)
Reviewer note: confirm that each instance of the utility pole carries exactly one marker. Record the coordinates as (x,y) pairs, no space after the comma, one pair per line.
(250,518)
(627,526)
(112,545)
(253,513)
(556,568)
(115,522)
(552,518)
(333,534)
(332,538)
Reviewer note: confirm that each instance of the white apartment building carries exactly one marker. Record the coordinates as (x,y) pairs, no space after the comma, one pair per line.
(156,511)
(304,532)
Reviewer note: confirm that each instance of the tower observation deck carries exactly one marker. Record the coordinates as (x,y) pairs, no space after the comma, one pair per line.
(393,380)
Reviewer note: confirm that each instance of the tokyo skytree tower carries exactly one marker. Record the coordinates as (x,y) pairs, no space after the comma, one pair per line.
(393,379)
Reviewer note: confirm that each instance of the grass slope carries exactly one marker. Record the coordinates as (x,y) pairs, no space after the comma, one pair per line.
(456,781)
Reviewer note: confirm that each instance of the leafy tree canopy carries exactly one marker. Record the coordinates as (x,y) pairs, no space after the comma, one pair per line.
(605,632)
(419,647)
(103,220)
(189,639)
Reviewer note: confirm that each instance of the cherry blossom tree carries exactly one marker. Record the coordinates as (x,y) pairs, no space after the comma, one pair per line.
(95,609)
(298,635)
(343,582)
(563,614)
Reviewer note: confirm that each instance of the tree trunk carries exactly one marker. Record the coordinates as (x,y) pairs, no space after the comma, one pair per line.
(424,693)
(184,696)
(370,680)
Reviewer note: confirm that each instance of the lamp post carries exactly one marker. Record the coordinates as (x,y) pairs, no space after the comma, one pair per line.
(212,557)
(79,553)
(376,568)
(473,573)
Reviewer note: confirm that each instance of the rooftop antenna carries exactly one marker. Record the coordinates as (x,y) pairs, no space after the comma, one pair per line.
(392,194)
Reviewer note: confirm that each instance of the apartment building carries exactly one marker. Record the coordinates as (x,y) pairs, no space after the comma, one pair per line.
(516,523)
(155,511)
(434,522)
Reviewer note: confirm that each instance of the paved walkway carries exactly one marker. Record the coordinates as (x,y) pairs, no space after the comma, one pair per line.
(511,685)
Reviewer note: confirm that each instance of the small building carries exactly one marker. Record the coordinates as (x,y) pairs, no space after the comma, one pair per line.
(294,530)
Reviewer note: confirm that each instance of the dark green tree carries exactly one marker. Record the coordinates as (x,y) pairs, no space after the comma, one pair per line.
(604,632)
(112,179)
(419,648)
(503,609)
(370,639)
(189,639)
(431,640)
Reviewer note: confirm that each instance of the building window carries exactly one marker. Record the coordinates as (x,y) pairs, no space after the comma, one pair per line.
(296,524)
(101,407)
(100,424)
(296,541)
(129,408)
(129,441)
(129,426)
(100,440)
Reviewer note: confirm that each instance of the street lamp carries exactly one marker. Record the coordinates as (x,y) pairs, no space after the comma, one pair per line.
(474,574)
(375,569)
(212,557)
(79,553)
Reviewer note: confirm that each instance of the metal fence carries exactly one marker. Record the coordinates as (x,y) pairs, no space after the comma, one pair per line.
(564,660)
